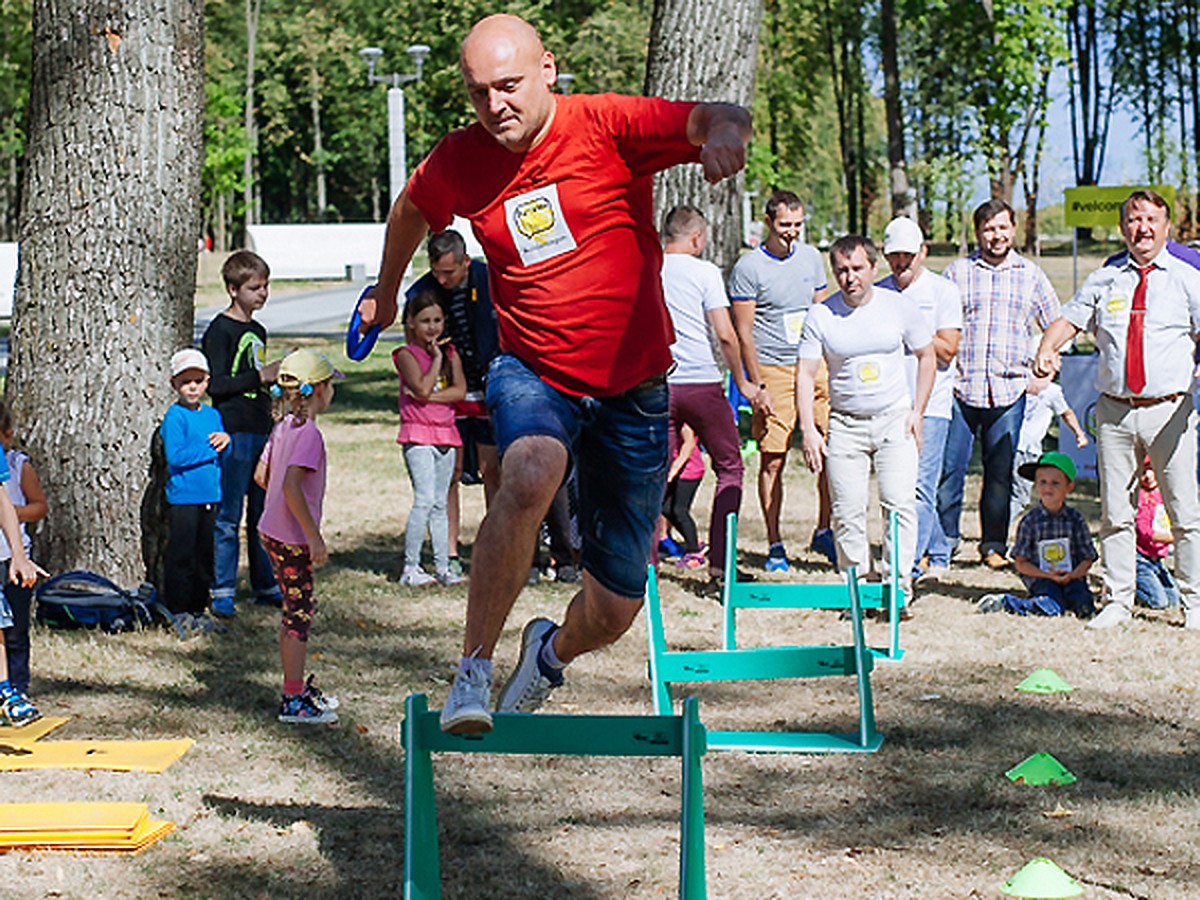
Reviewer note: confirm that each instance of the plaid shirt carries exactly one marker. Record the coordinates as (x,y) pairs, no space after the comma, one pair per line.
(1000,305)
(1039,524)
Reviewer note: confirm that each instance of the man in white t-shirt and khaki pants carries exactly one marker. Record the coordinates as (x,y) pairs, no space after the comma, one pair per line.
(862,333)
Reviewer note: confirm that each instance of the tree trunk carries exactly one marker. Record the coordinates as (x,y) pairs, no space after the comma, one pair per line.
(109,221)
(318,148)
(253,8)
(704,50)
(902,203)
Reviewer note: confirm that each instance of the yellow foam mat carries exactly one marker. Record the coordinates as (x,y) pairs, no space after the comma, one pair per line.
(114,756)
(73,816)
(79,827)
(34,731)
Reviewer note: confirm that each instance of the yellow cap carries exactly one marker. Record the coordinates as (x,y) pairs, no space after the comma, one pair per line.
(306,366)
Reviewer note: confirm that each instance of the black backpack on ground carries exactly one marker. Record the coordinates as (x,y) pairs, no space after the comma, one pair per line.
(82,599)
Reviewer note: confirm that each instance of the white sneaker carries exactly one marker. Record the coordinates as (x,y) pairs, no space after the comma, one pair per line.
(449,577)
(528,686)
(1191,619)
(467,708)
(1111,616)
(414,576)
(932,575)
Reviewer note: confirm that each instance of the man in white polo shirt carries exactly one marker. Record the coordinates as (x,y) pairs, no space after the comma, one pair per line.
(940,303)
(1143,307)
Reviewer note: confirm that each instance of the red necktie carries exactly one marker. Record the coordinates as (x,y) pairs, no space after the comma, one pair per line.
(1135,359)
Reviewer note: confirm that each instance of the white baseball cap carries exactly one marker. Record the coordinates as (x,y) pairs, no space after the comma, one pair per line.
(190,358)
(902,235)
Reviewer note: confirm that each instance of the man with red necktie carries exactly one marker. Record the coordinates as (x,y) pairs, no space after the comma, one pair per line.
(1143,307)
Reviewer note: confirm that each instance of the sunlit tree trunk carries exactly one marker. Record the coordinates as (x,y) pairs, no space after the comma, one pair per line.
(110,217)
(704,50)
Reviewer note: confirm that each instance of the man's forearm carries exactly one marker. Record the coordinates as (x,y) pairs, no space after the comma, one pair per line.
(406,229)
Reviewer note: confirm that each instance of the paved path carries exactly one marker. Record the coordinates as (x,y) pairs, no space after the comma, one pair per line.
(322,313)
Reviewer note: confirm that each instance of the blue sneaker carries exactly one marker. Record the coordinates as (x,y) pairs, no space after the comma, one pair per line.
(16,709)
(777,560)
(823,543)
(223,608)
(668,549)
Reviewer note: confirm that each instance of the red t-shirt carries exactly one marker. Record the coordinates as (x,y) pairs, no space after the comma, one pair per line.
(567,228)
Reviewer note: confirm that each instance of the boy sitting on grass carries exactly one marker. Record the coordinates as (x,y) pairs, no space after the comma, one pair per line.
(1053,551)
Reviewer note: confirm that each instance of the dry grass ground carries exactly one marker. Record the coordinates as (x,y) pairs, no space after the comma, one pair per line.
(274,811)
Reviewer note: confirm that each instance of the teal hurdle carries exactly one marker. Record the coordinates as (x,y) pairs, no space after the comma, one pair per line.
(780,595)
(669,667)
(553,735)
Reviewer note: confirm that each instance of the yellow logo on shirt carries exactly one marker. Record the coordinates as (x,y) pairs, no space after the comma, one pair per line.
(1118,304)
(534,218)
(868,373)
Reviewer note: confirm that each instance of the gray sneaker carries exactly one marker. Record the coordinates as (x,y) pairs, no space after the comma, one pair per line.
(529,685)
(467,708)
(1111,616)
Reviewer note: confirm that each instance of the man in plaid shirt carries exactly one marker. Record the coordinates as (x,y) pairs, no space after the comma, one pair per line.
(1003,295)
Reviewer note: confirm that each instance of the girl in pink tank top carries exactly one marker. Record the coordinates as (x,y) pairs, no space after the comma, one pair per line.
(431,382)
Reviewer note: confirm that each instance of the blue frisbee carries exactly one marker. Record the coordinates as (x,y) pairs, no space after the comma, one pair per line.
(358,345)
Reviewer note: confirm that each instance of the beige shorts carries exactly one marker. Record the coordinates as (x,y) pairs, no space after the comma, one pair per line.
(774,433)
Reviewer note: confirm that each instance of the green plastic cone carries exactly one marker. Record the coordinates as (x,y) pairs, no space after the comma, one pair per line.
(1044,681)
(1039,769)
(1041,879)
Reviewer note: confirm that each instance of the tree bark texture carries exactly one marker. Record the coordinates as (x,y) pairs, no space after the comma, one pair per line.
(704,50)
(110,217)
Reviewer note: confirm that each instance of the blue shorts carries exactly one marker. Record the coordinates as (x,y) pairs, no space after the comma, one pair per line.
(619,446)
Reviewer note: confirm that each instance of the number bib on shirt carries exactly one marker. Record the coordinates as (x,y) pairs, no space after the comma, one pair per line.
(535,221)
(1054,555)
(793,325)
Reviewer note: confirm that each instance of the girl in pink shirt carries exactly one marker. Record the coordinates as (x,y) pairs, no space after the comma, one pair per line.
(431,382)
(1156,587)
(292,472)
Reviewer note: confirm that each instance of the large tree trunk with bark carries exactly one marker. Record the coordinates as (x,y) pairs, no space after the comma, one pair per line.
(901,197)
(110,217)
(704,50)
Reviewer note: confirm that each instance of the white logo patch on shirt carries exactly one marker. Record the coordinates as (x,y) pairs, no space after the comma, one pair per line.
(793,325)
(1054,555)
(535,221)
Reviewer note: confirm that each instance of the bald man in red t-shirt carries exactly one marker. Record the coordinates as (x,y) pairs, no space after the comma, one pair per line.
(558,192)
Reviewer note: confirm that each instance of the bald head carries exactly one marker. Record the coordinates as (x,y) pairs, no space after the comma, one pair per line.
(508,75)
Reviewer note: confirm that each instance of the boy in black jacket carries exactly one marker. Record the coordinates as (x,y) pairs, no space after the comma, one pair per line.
(236,349)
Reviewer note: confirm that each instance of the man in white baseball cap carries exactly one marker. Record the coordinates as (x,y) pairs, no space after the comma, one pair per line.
(939,302)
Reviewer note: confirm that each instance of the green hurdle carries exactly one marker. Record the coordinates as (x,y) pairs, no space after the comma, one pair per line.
(553,735)
(781,595)
(669,667)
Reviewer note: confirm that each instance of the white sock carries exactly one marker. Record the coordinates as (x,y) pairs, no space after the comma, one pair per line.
(548,656)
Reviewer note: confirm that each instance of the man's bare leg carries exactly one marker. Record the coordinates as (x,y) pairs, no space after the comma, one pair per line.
(770,492)
(453,503)
(489,470)
(533,469)
(595,618)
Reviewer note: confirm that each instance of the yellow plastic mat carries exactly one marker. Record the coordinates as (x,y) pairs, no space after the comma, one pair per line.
(114,756)
(34,731)
(80,827)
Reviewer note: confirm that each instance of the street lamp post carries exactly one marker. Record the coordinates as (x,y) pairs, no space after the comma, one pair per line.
(397,166)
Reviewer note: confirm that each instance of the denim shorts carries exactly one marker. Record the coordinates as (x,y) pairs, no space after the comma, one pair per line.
(619,447)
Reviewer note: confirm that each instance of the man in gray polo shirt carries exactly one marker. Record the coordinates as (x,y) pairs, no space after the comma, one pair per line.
(772,288)
(1143,306)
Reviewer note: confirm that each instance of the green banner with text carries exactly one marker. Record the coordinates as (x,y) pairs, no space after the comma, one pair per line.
(1087,207)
